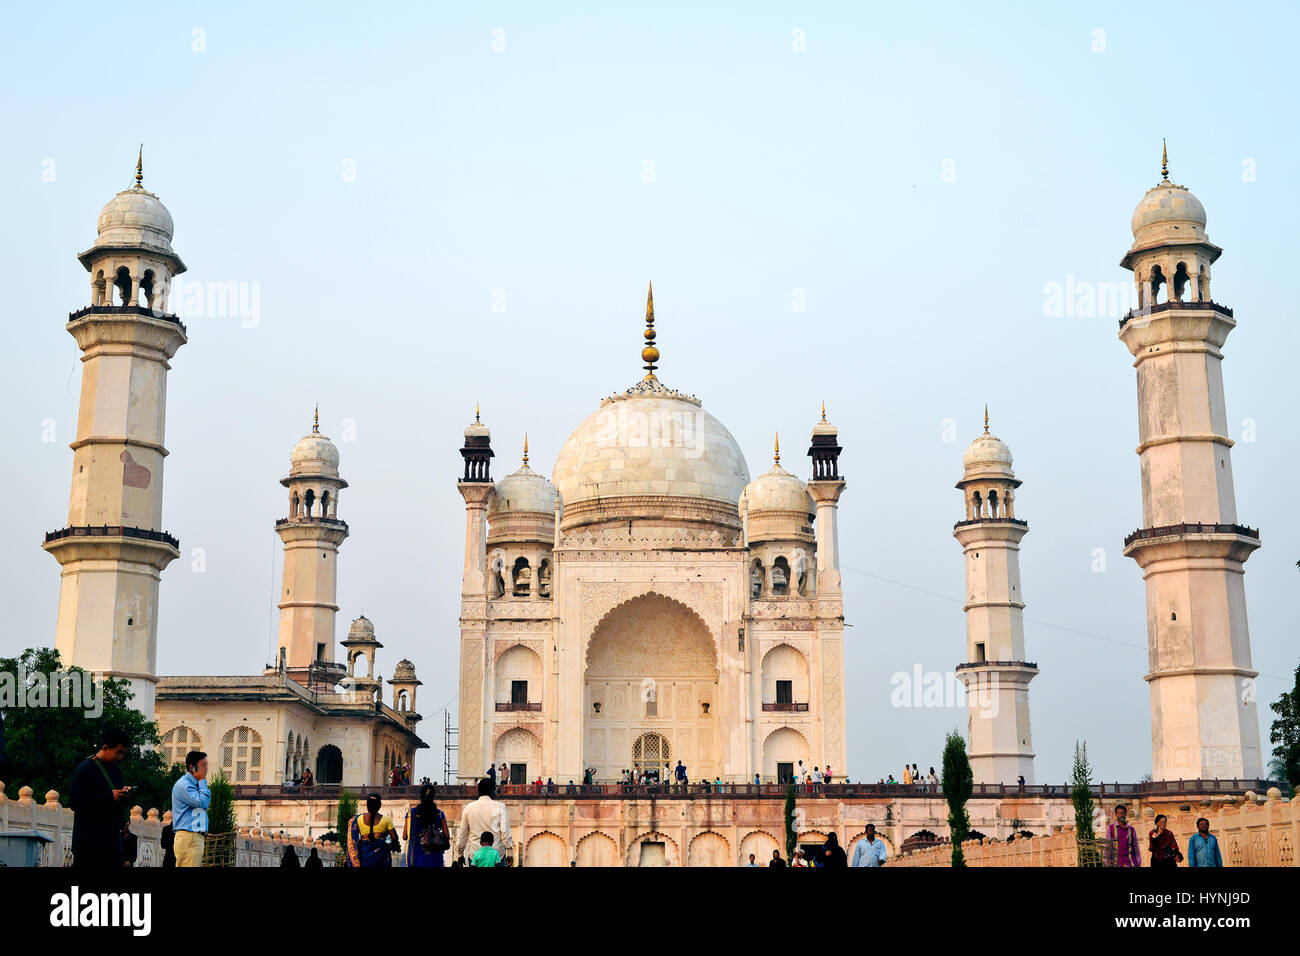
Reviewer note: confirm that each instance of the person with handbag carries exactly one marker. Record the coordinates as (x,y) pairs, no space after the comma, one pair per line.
(1163,845)
(372,838)
(425,832)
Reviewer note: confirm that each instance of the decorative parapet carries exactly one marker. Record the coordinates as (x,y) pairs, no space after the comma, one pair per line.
(54,820)
(51,818)
(1174,304)
(1171,530)
(1251,830)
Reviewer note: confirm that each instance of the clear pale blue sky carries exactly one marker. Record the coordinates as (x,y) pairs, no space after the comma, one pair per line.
(522,171)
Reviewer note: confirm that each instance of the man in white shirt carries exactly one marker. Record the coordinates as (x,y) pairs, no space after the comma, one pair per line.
(484,815)
(870,850)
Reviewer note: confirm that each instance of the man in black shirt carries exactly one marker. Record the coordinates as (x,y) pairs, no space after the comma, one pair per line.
(96,796)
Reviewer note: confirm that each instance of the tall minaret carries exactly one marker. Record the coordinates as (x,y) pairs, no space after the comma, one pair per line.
(476,488)
(825,488)
(995,672)
(311,534)
(113,548)
(1204,722)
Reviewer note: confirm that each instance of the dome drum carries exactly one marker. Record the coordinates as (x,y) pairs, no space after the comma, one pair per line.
(780,526)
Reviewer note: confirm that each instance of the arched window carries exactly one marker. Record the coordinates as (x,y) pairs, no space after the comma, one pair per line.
(310,500)
(177,742)
(993,503)
(241,755)
(1158,282)
(756,578)
(325,504)
(522,575)
(1181,278)
(122,282)
(146,288)
(650,752)
(544,579)
(100,287)
(780,577)
(978,503)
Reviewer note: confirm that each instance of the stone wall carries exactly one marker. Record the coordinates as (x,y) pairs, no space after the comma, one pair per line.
(1251,830)
(252,847)
(718,830)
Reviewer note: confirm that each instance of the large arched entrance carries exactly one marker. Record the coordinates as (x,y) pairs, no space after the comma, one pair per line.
(650,691)
(783,750)
(329,765)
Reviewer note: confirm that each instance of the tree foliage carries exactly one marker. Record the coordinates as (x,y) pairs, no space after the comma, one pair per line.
(791,831)
(1081,797)
(343,814)
(1284,734)
(958,785)
(43,745)
(1081,791)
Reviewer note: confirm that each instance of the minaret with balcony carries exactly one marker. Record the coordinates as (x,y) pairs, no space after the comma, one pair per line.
(1191,547)
(825,488)
(995,672)
(312,534)
(476,487)
(113,549)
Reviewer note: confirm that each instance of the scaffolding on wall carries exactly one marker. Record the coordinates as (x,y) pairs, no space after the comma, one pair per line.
(450,735)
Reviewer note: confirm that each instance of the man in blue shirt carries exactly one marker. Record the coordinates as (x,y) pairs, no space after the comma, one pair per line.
(1203,848)
(870,850)
(190,799)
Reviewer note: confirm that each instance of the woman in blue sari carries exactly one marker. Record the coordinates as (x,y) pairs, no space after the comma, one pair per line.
(372,838)
(425,832)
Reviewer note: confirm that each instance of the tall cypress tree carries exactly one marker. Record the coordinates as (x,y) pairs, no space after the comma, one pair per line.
(958,784)
(1081,797)
(791,835)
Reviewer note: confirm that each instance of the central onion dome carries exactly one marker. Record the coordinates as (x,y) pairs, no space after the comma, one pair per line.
(650,453)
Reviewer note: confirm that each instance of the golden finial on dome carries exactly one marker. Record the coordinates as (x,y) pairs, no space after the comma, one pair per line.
(1164,161)
(823,410)
(986,418)
(650,354)
(139,168)
(525,449)
(476,421)
(315,422)
(776,451)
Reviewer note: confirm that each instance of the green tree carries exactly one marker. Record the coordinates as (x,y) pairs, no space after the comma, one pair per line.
(343,814)
(1081,797)
(958,785)
(791,832)
(1284,734)
(45,744)
(219,846)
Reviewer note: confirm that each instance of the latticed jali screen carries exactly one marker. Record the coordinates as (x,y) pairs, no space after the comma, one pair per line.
(650,752)
(241,756)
